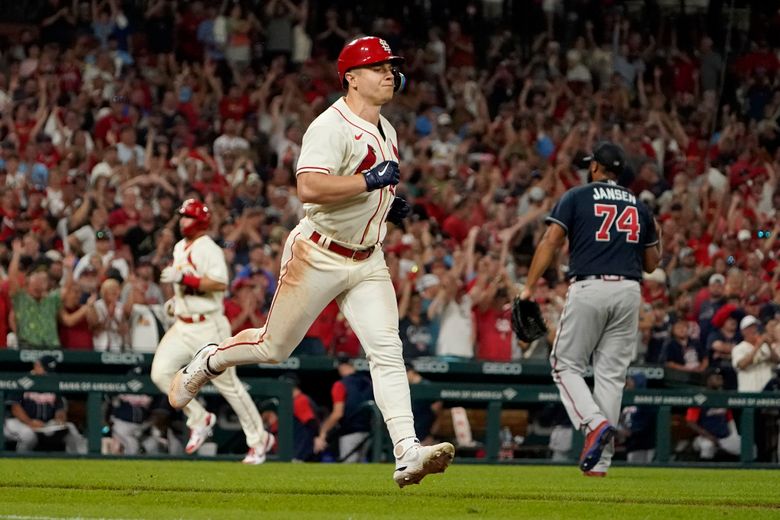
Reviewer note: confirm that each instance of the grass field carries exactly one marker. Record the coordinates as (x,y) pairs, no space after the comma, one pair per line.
(54,488)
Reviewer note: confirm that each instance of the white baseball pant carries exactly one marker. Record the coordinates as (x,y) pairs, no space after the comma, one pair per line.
(600,318)
(128,435)
(310,278)
(26,438)
(177,348)
(707,449)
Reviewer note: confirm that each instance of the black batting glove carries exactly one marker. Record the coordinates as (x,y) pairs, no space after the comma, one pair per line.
(383,174)
(399,210)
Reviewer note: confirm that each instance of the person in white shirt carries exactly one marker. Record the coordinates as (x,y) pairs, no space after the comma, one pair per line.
(108,319)
(84,239)
(753,358)
(128,149)
(104,251)
(228,142)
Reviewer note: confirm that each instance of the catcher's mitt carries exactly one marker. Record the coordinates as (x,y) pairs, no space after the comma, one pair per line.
(527,321)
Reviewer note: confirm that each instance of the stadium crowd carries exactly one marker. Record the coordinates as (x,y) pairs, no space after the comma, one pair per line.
(113,112)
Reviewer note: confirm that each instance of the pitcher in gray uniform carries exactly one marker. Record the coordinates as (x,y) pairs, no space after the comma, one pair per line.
(612,238)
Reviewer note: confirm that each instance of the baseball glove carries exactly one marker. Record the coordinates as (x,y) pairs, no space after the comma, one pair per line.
(527,321)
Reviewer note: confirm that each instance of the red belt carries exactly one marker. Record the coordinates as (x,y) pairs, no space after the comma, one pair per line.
(193,319)
(348,252)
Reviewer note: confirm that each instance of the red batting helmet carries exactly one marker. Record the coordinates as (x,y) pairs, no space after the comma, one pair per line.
(199,213)
(364,51)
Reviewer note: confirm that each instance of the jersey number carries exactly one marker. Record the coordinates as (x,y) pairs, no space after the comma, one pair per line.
(627,222)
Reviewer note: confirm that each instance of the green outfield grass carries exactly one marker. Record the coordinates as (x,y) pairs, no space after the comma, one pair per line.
(36,488)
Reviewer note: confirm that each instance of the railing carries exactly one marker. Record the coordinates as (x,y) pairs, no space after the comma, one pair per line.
(96,386)
(117,362)
(497,397)
(494,397)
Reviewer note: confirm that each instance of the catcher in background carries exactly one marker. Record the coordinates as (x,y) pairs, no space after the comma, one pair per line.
(612,238)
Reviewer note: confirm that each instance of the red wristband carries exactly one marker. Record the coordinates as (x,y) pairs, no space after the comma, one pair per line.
(190,280)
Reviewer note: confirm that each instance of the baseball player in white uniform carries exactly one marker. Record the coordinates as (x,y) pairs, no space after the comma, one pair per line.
(347,172)
(199,275)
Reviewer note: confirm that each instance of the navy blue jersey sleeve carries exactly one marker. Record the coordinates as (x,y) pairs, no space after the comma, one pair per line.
(648,235)
(563,212)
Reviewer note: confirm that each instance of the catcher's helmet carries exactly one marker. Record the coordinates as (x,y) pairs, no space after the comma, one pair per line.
(368,51)
(199,213)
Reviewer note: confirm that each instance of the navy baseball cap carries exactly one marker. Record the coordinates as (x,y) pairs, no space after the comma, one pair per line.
(49,363)
(610,156)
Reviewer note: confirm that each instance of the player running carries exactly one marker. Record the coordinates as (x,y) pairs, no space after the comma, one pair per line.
(612,237)
(199,276)
(347,172)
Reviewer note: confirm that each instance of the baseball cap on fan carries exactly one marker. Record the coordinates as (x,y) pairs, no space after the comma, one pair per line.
(610,156)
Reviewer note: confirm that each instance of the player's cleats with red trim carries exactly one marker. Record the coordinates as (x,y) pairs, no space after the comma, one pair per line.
(256,455)
(418,461)
(595,442)
(199,435)
(189,380)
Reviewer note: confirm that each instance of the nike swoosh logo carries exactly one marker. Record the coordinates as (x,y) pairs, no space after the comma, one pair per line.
(357,137)
(383,170)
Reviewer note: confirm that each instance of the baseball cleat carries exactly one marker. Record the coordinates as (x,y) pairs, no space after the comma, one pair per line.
(419,461)
(257,455)
(189,380)
(199,435)
(595,442)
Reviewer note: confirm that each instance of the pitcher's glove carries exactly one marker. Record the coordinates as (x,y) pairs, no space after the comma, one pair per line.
(399,210)
(527,321)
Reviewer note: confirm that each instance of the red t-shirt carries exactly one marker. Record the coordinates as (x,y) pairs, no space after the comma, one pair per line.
(109,123)
(345,341)
(121,217)
(338,392)
(324,326)
(23,129)
(76,337)
(302,408)
(234,108)
(216,185)
(233,309)
(456,228)
(494,334)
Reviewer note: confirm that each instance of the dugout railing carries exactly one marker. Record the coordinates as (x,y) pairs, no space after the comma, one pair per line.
(493,397)
(497,397)
(96,387)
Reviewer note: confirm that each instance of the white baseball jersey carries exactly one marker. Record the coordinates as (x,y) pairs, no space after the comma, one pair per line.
(340,143)
(201,257)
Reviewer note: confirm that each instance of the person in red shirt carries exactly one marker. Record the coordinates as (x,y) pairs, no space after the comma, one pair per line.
(353,419)
(243,310)
(654,287)
(74,330)
(345,342)
(190,48)
(235,105)
(210,182)
(112,121)
(458,224)
(47,152)
(492,317)
(125,216)
(306,424)
(320,337)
